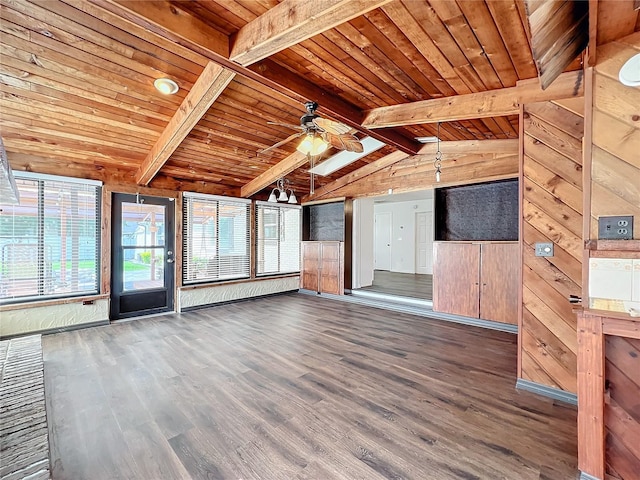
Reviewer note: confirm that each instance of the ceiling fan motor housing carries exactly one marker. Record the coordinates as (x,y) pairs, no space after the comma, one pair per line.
(306,121)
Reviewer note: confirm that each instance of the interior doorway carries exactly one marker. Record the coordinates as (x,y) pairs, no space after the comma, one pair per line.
(142,260)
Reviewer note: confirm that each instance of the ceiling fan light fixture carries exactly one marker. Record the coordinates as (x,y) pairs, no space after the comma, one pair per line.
(272,197)
(283,196)
(292,198)
(166,86)
(319,146)
(312,145)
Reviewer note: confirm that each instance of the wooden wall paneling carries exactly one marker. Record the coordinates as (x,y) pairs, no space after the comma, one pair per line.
(459,264)
(591,384)
(178,250)
(552,205)
(557,359)
(105,241)
(520,235)
(587,149)
(615,137)
(532,371)
(499,275)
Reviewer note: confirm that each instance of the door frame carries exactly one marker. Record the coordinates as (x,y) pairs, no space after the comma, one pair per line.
(116,277)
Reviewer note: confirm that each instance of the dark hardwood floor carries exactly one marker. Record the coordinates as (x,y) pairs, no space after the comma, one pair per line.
(297,387)
(402,284)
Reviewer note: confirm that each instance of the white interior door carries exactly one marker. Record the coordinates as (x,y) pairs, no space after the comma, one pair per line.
(424,245)
(382,242)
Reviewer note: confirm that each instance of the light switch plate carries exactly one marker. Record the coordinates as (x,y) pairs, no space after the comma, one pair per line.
(615,228)
(544,249)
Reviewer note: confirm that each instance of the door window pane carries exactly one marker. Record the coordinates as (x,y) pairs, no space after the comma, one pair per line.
(143,225)
(143,268)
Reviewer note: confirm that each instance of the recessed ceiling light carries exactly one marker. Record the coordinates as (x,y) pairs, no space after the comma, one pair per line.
(166,86)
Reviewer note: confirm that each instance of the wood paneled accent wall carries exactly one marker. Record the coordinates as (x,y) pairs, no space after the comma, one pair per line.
(622,409)
(615,170)
(552,212)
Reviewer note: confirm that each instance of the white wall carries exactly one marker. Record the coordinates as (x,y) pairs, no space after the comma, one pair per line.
(362,252)
(34,318)
(403,232)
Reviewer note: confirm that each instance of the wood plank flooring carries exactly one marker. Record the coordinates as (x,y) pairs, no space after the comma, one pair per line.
(298,387)
(402,284)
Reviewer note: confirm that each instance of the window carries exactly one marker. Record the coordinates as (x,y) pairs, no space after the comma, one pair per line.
(277,238)
(50,240)
(215,237)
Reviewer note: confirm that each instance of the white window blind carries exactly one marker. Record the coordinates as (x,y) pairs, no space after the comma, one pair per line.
(216,236)
(278,233)
(50,241)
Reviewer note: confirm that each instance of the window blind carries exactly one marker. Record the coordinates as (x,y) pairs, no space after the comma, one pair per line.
(278,234)
(50,241)
(216,235)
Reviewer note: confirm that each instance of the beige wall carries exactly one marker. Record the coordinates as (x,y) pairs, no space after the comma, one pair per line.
(34,318)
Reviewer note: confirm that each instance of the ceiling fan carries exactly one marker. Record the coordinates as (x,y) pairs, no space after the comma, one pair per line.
(320,133)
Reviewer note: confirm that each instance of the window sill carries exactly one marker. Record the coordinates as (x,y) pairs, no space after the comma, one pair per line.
(47,303)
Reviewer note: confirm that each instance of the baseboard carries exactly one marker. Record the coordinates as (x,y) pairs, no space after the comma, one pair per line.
(586,476)
(417,310)
(227,302)
(546,391)
(50,331)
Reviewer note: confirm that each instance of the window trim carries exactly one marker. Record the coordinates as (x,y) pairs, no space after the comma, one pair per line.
(217,198)
(41,179)
(279,206)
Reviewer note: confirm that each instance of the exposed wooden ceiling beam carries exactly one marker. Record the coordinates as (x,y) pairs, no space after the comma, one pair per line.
(167,20)
(455,148)
(357,175)
(492,103)
(211,83)
(164,17)
(289,164)
(292,22)
(465,147)
(341,111)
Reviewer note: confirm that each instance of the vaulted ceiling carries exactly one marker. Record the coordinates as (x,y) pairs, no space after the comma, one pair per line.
(77,95)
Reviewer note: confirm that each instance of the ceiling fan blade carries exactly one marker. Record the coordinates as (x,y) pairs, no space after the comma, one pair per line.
(345,141)
(327,125)
(288,139)
(288,125)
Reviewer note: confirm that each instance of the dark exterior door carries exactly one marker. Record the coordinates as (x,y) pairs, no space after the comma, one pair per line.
(142,260)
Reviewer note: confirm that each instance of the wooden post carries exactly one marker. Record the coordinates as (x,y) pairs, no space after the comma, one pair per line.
(591,442)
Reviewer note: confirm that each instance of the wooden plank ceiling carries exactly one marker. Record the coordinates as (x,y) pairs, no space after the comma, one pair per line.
(77,95)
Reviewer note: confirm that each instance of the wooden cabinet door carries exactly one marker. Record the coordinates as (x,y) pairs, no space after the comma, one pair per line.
(310,271)
(499,274)
(331,268)
(456,277)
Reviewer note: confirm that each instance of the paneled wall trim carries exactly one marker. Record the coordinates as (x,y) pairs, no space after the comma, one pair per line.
(552,208)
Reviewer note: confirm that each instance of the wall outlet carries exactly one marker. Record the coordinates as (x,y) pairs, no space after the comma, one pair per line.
(544,249)
(615,228)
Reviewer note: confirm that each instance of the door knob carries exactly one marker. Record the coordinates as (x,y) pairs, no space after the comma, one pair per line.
(169,260)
